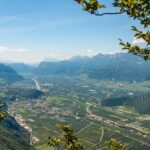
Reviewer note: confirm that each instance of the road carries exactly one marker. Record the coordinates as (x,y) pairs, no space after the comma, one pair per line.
(37,84)
(84,128)
(101,138)
(88,108)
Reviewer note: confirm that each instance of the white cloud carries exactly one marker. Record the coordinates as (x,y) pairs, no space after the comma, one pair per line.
(103,51)
(15,54)
(36,55)
(5,49)
(21,50)
(91,53)
(138,41)
(11,54)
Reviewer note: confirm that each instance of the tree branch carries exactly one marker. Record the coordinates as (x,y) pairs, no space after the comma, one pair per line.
(113,13)
(102,14)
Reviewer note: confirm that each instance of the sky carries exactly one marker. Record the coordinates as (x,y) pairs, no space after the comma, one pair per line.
(35,30)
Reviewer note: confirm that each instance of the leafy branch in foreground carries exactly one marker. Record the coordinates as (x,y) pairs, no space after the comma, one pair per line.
(68,141)
(2,113)
(92,6)
(136,9)
(116,145)
(136,50)
(143,52)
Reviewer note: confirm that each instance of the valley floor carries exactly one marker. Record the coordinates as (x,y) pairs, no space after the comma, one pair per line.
(77,101)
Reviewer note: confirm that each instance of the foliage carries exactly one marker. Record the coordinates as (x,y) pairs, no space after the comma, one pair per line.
(116,145)
(66,139)
(136,9)
(2,113)
(91,6)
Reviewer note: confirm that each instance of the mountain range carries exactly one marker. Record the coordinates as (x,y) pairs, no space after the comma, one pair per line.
(121,67)
(8,75)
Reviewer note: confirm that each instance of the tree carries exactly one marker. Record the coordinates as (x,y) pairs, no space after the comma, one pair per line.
(116,145)
(68,141)
(136,9)
(2,113)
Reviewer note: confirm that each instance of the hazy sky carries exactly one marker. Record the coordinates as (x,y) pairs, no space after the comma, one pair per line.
(32,30)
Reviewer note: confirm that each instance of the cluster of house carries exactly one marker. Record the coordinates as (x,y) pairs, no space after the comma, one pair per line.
(99,118)
(40,106)
(139,130)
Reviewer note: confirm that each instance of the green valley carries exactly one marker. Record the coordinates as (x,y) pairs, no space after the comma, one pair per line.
(78,101)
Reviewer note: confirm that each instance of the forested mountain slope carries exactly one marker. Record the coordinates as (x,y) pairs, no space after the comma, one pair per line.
(21,67)
(13,136)
(123,67)
(141,103)
(8,74)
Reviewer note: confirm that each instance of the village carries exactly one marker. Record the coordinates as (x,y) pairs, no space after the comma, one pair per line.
(39,105)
